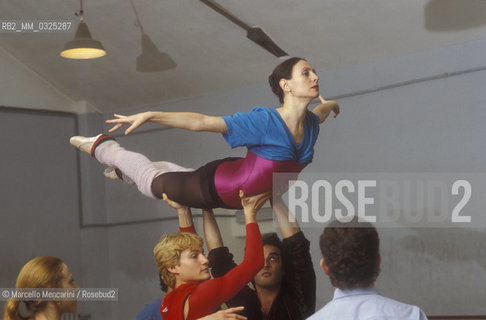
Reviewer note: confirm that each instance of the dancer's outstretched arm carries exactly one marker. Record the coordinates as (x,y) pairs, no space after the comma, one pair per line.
(183,120)
(324,109)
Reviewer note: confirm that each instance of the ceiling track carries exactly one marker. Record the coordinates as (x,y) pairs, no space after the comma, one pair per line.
(255,34)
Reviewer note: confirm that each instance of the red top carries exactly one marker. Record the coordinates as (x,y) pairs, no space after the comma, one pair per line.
(204,298)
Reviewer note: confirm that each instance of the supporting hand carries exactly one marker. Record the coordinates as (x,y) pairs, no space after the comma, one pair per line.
(171,203)
(184,213)
(252,204)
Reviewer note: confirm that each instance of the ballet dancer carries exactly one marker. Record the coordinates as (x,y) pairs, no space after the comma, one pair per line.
(279,140)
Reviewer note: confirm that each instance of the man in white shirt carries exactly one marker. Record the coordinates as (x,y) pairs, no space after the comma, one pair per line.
(351,259)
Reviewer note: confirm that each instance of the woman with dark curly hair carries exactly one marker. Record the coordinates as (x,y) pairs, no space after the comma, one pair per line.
(278,140)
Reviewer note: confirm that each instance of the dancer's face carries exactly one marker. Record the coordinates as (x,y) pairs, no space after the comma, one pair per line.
(193,266)
(67,282)
(305,81)
(270,276)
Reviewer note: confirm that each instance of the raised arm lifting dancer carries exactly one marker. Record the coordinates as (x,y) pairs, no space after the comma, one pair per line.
(285,288)
(278,140)
(186,224)
(184,268)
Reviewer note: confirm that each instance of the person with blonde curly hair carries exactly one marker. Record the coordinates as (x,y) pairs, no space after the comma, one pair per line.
(184,268)
(42,272)
(168,253)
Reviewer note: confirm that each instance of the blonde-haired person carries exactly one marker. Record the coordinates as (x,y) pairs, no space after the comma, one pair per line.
(184,268)
(42,272)
(170,249)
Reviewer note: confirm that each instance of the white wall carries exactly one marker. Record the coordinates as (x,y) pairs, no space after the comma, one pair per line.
(21,87)
(40,202)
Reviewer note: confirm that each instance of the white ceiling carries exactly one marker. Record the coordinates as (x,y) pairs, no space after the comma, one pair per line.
(213,54)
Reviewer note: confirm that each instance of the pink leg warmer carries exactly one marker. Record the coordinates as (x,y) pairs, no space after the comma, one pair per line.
(136,167)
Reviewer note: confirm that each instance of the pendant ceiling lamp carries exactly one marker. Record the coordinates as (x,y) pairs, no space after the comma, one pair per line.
(83,46)
(151,59)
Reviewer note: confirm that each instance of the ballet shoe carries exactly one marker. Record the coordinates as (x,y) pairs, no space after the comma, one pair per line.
(112,173)
(89,144)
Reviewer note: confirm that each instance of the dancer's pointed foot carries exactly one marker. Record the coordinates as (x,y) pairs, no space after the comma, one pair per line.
(113,173)
(88,144)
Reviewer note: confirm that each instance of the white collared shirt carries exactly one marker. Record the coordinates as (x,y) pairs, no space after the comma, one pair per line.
(366,304)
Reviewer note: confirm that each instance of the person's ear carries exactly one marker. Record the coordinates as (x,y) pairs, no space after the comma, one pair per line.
(378,260)
(174,270)
(324,266)
(284,85)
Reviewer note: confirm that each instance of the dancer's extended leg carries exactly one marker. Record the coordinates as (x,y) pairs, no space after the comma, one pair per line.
(135,166)
(163,167)
(192,188)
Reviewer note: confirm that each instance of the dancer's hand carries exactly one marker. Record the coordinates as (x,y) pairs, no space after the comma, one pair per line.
(334,107)
(134,121)
(230,313)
